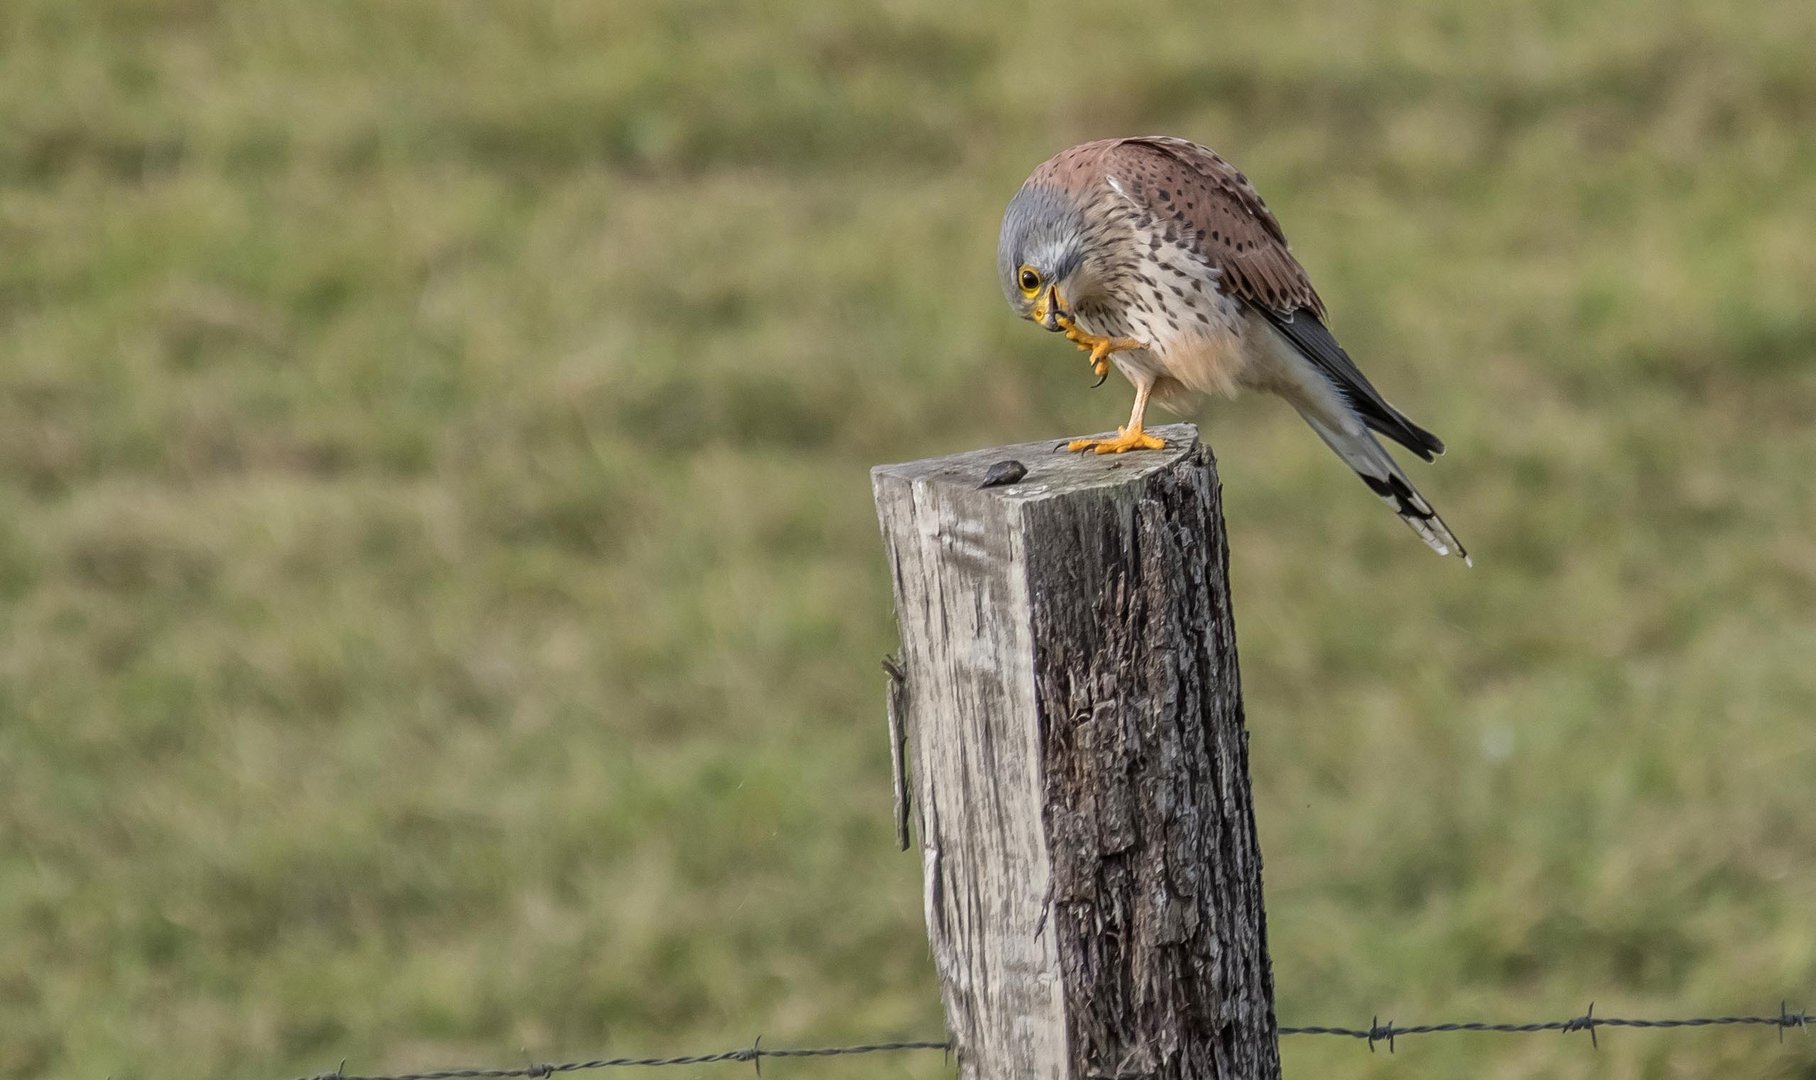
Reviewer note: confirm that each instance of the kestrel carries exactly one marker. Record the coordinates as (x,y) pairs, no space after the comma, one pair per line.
(1156,255)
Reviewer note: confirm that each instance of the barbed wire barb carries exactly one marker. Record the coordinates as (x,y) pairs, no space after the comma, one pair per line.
(1586,1022)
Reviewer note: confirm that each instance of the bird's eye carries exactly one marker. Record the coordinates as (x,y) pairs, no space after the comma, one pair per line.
(1029,280)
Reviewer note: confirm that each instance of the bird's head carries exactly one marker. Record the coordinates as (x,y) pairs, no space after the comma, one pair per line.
(1040,257)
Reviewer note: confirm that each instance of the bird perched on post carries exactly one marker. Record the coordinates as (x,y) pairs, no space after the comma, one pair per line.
(1156,255)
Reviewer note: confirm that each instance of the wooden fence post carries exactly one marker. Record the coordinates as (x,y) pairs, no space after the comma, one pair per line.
(1080,767)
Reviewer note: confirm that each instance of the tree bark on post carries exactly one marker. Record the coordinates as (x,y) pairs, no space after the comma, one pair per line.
(1080,766)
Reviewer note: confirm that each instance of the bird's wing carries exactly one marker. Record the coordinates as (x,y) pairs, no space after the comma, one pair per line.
(1214,209)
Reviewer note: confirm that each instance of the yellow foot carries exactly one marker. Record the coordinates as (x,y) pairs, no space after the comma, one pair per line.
(1098,346)
(1124,441)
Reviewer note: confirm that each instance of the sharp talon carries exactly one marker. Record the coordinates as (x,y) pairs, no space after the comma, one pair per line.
(1100,379)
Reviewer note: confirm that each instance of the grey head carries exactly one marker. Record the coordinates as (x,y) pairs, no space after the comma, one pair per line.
(1042,247)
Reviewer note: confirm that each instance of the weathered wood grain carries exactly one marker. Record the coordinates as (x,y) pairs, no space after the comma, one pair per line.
(1079,764)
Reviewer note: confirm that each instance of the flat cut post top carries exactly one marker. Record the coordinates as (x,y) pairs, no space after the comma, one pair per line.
(1050,472)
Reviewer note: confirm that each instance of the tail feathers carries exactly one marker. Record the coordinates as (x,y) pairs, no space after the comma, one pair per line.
(1305,333)
(1382,474)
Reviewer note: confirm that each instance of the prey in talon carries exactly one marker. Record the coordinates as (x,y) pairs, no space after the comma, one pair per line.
(1156,256)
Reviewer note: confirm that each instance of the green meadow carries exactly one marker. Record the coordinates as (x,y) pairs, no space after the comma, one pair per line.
(441,601)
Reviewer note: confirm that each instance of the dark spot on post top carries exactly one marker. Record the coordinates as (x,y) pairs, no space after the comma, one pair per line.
(1007,471)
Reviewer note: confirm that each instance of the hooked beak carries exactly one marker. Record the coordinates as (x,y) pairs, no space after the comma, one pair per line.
(1050,309)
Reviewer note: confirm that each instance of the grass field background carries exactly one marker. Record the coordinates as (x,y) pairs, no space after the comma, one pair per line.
(440,599)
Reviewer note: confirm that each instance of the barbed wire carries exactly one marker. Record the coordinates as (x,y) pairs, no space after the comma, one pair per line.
(754,1053)
(1375,1032)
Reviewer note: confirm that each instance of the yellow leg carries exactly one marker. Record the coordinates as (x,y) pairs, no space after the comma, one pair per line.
(1128,438)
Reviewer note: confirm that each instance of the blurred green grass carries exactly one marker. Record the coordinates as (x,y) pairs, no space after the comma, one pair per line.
(439,593)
